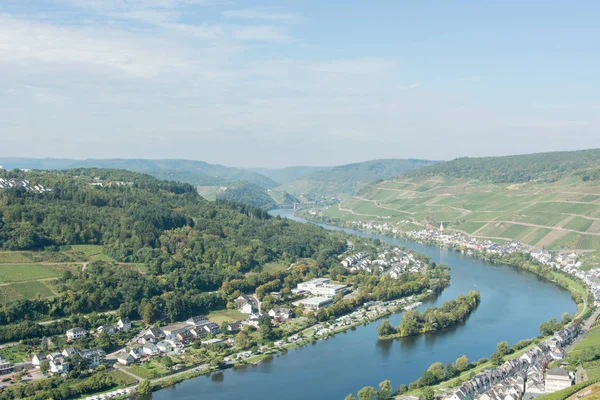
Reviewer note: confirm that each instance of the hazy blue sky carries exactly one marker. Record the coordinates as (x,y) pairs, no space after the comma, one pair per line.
(277,83)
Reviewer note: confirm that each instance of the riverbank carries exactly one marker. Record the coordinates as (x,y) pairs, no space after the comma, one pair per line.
(542,263)
(353,354)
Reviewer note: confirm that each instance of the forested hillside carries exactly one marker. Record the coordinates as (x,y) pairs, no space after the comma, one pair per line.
(285,175)
(546,167)
(190,246)
(196,173)
(349,179)
(247,193)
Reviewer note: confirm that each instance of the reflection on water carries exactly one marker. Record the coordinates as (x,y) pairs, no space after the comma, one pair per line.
(217,377)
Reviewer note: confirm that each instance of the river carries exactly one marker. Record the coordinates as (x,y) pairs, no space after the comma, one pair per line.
(513,305)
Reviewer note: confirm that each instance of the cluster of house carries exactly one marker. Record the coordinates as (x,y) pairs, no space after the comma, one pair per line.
(59,363)
(249,305)
(169,339)
(356,262)
(124,324)
(392,262)
(22,183)
(569,263)
(448,239)
(522,375)
(98,181)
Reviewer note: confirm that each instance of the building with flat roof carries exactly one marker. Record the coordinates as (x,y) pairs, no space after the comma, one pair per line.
(321,287)
(315,303)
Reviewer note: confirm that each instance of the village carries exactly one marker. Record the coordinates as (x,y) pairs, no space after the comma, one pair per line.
(198,345)
(527,376)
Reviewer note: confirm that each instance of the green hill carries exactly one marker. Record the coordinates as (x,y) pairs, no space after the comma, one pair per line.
(549,200)
(190,247)
(196,173)
(247,193)
(546,167)
(288,174)
(349,179)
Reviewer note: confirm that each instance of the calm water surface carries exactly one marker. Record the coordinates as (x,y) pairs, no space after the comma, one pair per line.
(513,305)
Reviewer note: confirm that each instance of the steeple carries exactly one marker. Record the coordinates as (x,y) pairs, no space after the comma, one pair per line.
(441,227)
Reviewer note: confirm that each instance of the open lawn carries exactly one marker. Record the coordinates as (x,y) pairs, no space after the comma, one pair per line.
(149,369)
(274,267)
(225,315)
(29,272)
(92,252)
(88,249)
(122,379)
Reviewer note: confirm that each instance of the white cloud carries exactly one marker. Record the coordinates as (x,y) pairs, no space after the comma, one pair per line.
(414,85)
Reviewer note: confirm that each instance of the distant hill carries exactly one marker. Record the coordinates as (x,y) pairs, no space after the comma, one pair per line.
(549,200)
(247,193)
(288,174)
(196,173)
(349,179)
(546,167)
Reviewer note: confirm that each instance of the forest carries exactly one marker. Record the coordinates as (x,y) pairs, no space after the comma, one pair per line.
(191,247)
(544,167)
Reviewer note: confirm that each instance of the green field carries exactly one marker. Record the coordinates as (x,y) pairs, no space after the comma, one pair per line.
(531,212)
(24,290)
(225,315)
(591,340)
(92,252)
(14,257)
(29,272)
(122,379)
(579,224)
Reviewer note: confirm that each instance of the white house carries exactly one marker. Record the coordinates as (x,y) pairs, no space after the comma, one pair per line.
(108,329)
(280,313)
(58,366)
(557,379)
(37,359)
(246,304)
(164,347)
(76,333)
(155,332)
(125,358)
(124,324)
(93,357)
(150,349)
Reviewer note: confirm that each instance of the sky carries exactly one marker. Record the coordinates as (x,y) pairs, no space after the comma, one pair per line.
(280,83)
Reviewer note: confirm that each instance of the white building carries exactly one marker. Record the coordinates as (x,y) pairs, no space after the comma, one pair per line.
(557,379)
(76,333)
(315,303)
(321,287)
(124,324)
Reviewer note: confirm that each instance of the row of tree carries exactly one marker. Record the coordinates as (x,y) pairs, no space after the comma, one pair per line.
(433,319)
